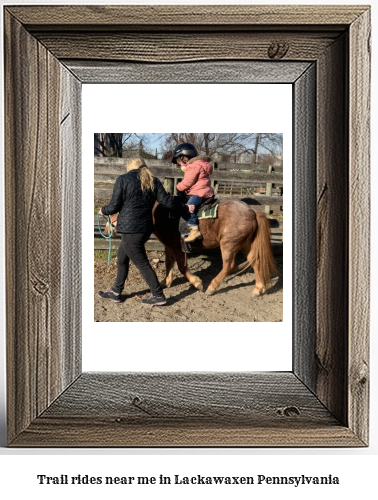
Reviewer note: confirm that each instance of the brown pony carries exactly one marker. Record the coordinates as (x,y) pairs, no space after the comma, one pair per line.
(237,228)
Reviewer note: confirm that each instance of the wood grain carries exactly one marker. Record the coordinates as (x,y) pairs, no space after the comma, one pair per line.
(143,17)
(71,189)
(193,409)
(33,193)
(199,72)
(179,47)
(304,228)
(359,226)
(41,362)
(94,432)
(331,351)
(44,47)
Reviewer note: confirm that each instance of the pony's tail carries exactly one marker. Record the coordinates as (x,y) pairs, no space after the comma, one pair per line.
(261,255)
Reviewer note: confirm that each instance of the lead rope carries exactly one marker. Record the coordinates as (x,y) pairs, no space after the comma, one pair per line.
(107,237)
(238,270)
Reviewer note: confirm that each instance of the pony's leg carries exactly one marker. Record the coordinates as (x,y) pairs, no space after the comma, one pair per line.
(169,263)
(260,287)
(183,268)
(228,259)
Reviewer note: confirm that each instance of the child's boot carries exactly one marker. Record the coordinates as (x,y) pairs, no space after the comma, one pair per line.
(193,235)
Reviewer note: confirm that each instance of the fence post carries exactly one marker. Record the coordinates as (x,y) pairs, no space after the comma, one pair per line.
(169,185)
(268,189)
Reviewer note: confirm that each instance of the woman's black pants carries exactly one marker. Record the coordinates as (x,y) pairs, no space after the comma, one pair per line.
(132,248)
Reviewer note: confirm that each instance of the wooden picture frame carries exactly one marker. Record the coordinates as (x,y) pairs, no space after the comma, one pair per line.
(49,52)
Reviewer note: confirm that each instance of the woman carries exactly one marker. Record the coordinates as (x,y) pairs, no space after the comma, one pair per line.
(134,196)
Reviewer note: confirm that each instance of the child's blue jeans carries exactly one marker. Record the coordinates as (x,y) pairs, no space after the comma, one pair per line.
(192,219)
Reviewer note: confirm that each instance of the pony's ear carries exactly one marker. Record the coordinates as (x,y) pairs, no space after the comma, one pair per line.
(107,230)
(113,221)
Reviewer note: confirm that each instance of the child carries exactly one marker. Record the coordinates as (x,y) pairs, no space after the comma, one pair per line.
(196,182)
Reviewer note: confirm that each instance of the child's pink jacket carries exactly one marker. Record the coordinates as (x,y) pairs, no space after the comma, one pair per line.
(196,180)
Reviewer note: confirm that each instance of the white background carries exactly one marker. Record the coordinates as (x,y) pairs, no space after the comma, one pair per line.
(355,467)
(183,346)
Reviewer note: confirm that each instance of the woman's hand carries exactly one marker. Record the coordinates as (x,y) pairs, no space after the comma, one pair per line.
(191,208)
(100,212)
(181,196)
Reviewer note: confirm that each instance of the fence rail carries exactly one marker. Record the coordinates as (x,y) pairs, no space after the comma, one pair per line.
(255,178)
(121,164)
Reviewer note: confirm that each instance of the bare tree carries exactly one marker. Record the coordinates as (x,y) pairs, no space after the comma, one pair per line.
(137,144)
(230,147)
(108,145)
(120,145)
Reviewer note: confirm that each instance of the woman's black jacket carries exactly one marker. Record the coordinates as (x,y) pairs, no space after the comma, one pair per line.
(135,206)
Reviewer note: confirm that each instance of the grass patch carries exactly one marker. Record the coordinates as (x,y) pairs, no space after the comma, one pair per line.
(103,254)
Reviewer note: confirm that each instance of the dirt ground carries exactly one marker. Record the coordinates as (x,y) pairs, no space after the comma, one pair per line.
(232,303)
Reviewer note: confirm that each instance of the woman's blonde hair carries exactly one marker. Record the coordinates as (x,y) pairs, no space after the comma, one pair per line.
(145,175)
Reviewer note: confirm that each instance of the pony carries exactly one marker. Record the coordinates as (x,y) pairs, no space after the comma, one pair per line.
(237,228)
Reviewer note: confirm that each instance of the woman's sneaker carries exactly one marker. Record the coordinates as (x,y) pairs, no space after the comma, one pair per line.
(155,300)
(110,295)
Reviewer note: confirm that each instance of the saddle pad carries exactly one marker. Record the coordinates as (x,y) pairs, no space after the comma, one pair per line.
(208,213)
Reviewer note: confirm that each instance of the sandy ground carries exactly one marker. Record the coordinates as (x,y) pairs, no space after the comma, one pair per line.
(232,303)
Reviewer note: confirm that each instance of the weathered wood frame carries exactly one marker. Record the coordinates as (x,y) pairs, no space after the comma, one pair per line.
(324,400)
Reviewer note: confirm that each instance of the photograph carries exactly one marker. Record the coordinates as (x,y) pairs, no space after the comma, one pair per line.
(189,221)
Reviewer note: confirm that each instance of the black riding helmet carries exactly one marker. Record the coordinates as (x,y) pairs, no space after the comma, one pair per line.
(184,149)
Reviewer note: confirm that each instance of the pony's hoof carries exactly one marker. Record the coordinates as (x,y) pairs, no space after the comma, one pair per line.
(209,291)
(200,287)
(164,284)
(258,291)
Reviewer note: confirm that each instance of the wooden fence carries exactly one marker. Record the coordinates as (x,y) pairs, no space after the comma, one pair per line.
(260,187)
